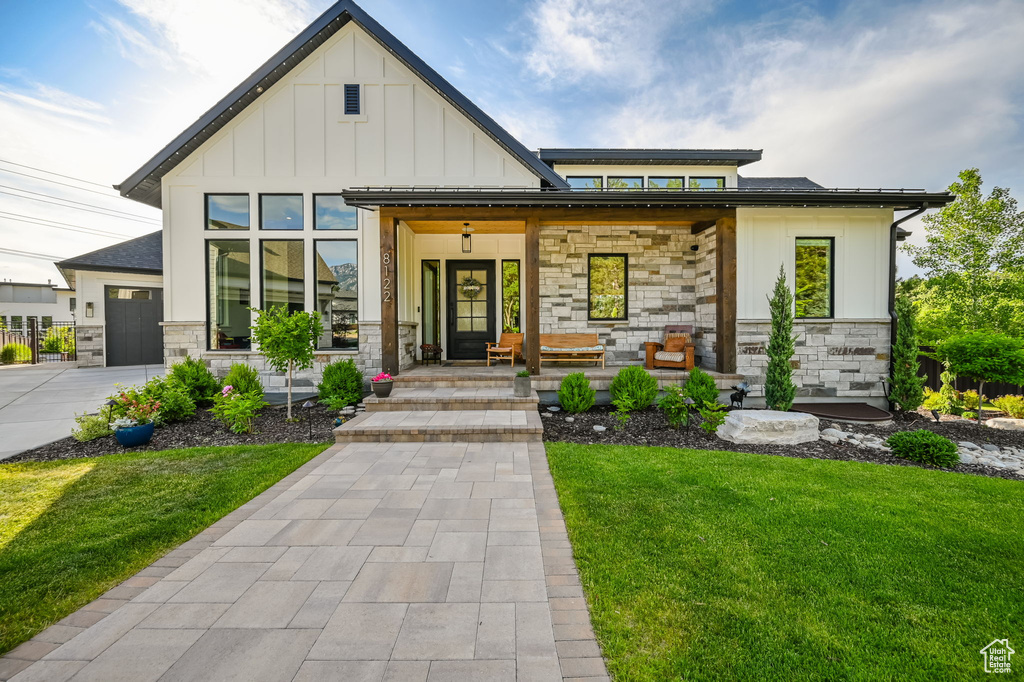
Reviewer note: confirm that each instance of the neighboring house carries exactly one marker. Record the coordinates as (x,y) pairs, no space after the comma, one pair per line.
(345,156)
(46,303)
(119,298)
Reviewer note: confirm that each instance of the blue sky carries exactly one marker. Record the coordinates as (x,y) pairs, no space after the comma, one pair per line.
(865,93)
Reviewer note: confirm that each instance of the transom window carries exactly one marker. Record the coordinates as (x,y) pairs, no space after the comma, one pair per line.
(666,183)
(707,183)
(589,182)
(607,282)
(815,277)
(227,211)
(331,213)
(626,183)
(280,211)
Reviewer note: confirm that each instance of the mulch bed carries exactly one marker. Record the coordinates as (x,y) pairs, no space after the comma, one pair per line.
(201,430)
(648,427)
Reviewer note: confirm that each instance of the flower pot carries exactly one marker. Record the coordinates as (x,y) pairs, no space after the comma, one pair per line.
(382,389)
(134,436)
(521,387)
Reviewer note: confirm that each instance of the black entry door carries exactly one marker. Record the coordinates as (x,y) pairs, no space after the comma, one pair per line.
(133,326)
(471,308)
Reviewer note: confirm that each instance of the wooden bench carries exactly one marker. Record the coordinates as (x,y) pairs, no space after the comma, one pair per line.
(571,348)
(507,348)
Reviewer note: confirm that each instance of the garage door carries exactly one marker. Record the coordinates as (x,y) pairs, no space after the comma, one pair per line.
(134,336)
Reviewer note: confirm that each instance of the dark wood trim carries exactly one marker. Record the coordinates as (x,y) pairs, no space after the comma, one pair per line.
(389,283)
(625,287)
(629,216)
(725,305)
(531,338)
(699,227)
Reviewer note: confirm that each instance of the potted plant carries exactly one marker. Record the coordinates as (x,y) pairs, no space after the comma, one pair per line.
(136,426)
(521,385)
(382,385)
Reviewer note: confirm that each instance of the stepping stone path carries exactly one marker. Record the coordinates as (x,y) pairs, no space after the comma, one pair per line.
(413,557)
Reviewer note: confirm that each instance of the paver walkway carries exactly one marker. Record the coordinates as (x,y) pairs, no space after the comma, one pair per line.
(374,561)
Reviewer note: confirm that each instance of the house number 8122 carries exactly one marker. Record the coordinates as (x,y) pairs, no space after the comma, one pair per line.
(386,278)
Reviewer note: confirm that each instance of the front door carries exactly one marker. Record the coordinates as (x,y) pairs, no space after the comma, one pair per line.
(471,311)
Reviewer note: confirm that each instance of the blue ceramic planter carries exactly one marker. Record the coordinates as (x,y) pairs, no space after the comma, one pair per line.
(134,436)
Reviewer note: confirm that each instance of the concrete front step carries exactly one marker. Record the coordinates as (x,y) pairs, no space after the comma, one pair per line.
(450,399)
(453,381)
(421,426)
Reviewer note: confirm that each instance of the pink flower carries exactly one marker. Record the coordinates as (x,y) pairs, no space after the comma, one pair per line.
(226,390)
(383,376)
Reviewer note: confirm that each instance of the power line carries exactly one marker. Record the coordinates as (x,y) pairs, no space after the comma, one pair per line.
(62,184)
(80,203)
(86,230)
(109,215)
(21,217)
(30,254)
(59,175)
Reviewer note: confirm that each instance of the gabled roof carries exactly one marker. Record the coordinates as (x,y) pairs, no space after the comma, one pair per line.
(777,183)
(651,157)
(143,255)
(144,184)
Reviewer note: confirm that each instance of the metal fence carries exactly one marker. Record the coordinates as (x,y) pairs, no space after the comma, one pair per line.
(41,342)
(933,369)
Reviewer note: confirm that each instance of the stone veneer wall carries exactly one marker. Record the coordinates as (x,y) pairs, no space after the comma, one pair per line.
(406,344)
(707,300)
(89,345)
(834,359)
(662,283)
(189,339)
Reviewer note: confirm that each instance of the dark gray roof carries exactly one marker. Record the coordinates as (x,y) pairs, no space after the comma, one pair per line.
(144,184)
(777,183)
(651,157)
(143,254)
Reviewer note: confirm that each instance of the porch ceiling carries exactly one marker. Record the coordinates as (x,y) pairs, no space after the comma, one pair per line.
(455,226)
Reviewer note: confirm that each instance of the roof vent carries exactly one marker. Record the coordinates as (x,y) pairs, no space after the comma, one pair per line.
(351,100)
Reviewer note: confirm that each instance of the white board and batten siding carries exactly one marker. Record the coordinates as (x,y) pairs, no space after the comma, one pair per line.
(296,138)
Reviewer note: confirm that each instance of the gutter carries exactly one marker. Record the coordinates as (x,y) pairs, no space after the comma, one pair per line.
(894,231)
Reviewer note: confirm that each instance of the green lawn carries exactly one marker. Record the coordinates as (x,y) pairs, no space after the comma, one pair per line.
(72,529)
(720,565)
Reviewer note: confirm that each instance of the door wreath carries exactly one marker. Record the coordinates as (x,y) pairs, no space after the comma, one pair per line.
(470,287)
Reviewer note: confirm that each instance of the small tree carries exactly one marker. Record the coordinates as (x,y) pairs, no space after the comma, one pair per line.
(984,357)
(287,341)
(907,387)
(779,389)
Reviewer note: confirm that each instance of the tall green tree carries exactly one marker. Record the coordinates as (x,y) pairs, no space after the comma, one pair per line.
(907,386)
(969,241)
(287,340)
(779,389)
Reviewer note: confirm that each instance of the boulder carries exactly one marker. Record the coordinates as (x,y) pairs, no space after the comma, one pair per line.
(1006,424)
(768,427)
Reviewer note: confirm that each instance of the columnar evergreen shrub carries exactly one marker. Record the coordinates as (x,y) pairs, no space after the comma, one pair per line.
(924,446)
(575,394)
(779,389)
(197,380)
(244,378)
(341,384)
(701,387)
(907,386)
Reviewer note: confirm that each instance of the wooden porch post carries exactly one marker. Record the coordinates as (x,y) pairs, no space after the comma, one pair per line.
(531,340)
(725,305)
(389,292)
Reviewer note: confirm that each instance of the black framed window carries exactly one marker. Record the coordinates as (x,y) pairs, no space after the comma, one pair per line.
(666,183)
(228,294)
(47,321)
(431,301)
(631,182)
(510,296)
(337,292)
(283,274)
(16,323)
(815,277)
(331,213)
(607,286)
(707,183)
(589,182)
(72,303)
(227,211)
(280,211)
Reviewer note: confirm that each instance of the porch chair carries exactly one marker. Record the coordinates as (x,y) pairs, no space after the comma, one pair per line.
(507,347)
(675,351)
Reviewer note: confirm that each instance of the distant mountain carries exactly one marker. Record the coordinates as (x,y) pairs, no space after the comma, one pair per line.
(347,275)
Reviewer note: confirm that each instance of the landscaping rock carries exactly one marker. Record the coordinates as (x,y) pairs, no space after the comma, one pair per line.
(1006,424)
(598,427)
(990,447)
(966,457)
(570,419)
(968,445)
(833,433)
(554,408)
(768,427)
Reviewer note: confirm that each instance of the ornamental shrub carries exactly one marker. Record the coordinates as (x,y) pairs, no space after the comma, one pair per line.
(633,389)
(59,340)
(90,427)
(907,386)
(701,388)
(779,389)
(244,379)
(15,352)
(673,405)
(192,375)
(984,357)
(237,410)
(575,394)
(175,403)
(341,384)
(926,447)
(712,416)
(1012,405)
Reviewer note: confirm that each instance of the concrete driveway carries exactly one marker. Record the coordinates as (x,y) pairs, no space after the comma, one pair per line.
(38,403)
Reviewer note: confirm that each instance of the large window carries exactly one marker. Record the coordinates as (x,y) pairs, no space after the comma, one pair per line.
(607,286)
(331,213)
(227,211)
(283,271)
(337,293)
(228,296)
(815,277)
(626,183)
(665,183)
(707,183)
(280,211)
(431,291)
(585,182)
(510,296)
